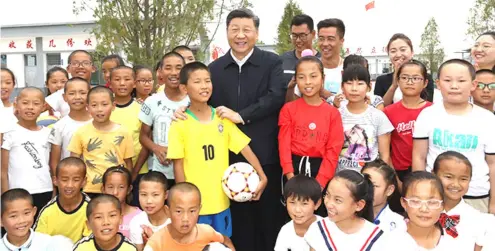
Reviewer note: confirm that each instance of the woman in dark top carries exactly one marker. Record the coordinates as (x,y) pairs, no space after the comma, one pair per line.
(400,50)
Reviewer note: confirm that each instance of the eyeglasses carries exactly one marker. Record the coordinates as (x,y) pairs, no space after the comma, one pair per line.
(417,203)
(83,63)
(145,81)
(302,36)
(484,47)
(406,79)
(482,86)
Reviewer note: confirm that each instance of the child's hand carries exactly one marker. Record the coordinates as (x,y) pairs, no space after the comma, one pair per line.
(180,114)
(259,190)
(337,100)
(147,233)
(161,153)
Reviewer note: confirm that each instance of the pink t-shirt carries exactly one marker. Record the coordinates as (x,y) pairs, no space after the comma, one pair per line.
(124,228)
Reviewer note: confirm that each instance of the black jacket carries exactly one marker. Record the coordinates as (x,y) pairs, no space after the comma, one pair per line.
(257,93)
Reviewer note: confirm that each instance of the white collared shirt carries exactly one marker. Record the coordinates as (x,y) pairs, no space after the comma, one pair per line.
(38,242)
(389,221)
(406,242)
(244,60)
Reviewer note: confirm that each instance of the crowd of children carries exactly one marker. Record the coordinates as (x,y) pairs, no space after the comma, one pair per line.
(123,168)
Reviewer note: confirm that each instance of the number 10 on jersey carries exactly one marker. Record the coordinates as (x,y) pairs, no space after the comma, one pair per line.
(209,152)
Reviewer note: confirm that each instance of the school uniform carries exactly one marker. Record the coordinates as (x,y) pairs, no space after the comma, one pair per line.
(389,221)
(403,241)
(38,242)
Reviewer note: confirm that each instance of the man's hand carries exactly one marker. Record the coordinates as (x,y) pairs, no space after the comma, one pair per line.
(161,154)
(180,114)
(261,187)
(226,113)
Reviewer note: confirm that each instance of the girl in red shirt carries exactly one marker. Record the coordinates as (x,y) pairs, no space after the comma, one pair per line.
(311,133)
(412,80)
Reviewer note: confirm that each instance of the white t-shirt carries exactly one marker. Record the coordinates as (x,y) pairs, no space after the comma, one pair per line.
(62,131)
(333,81)
(57,103)
(136,229)
(157,111)
(288,239)
(39,242)
(325,235)
(471,134)
(29,152)
(403,241)
(361,133)
(8,118)
(489,242)
(389,221)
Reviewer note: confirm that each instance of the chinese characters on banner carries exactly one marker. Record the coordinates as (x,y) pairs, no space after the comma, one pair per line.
(10,45)
(368,51)
(69,43)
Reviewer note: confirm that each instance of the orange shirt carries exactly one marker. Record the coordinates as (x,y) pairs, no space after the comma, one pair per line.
(162,240)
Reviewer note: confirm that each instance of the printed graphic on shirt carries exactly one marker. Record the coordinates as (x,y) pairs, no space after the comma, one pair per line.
(31,150)
(405,128)
(447,140)
(356,150)
(309,133)
(94,144)
(118,140)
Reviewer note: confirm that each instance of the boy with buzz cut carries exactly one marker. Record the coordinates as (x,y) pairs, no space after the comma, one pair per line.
(102,143)
(186,53)
(17,215)
(200,148)
(69,206)
(303,197)
(484,94)
(184,233)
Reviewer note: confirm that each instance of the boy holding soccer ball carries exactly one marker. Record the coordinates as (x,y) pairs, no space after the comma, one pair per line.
(200,148)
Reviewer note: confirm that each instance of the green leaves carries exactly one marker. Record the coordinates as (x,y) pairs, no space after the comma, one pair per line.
(284,42)
(481,18)
(432,52)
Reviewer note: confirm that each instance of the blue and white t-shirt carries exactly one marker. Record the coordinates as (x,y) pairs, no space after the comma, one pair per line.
(333,81)
(157,111)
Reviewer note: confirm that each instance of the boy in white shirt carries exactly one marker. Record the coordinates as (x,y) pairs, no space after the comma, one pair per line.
(303,196)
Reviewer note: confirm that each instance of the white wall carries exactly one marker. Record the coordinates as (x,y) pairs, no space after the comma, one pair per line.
(15,62)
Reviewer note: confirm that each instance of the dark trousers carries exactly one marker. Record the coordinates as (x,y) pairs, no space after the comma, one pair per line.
(255,224)
(40,200)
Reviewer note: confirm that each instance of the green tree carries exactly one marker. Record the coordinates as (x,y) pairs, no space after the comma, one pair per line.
(284,42)
(432,53)
(145,29)
(481,18)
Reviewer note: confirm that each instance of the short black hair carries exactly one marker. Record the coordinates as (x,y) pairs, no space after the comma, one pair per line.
(418,176)
(356,72)
(186,71)
(171,54)
(303,188)
(74,79)
(333,22)
(448,155)
(71,161)
(138,68)
(182,48)
(301,19)
(354,59)
(114,57)
(31,88)
(158,66)
(79,51)
(101,89)
(182,187)
(483,71)
(13,195)
(471,69)
(120,67)
(102,198)
(243,13)
(154,176)
(118,169)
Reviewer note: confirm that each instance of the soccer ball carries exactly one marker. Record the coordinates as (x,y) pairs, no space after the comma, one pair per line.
(240,181)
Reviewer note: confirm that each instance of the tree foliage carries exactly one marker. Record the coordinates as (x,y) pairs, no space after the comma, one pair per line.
(481,18)
(432,53)
(284,42)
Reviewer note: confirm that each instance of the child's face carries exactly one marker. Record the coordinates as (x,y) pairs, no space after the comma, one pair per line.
(455,177)
(56,82)
(144,82)
(184,211)
(7,85)
(411,81)
(30,104)
(340,202)
(76,95)
(301,211)
(421,213)
(187,55)
(100,106)
(107,67)
(122,82)
(309,79)
(152,197)
(484,93)
(199,87)
(355,90)
(381,189)
(455,84)
(116,185)
(70,180)
(81,66)
(105,221)
(170,71)
(18,217)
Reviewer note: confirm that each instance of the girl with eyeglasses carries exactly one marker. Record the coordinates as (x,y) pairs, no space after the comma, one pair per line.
(144,83)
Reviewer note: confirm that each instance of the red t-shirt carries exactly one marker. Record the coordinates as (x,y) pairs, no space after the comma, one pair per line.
(403,120)
(314,131)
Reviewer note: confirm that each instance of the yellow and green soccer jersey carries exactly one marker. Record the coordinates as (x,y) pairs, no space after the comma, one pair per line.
(205,150)
(89,244)
(54,220)
(100,150)
(127,115)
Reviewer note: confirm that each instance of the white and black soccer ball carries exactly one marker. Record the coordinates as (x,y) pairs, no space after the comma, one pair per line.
(240,181)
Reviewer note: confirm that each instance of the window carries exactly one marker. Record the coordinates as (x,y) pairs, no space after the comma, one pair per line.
(30,70)
(53,59)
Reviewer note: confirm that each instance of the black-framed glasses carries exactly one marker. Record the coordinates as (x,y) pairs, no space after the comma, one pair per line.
(302,36)
(406,79)
(83,63)
(482,86)
(145,81)
(417,203)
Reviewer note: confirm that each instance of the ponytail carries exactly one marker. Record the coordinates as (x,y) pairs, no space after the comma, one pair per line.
(361,188)
(367,211)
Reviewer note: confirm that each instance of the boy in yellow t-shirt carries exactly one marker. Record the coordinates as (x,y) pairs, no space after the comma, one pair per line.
(69,206)
(102,143)
(200,148)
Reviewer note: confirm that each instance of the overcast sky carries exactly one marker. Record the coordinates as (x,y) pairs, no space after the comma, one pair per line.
(364,28)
